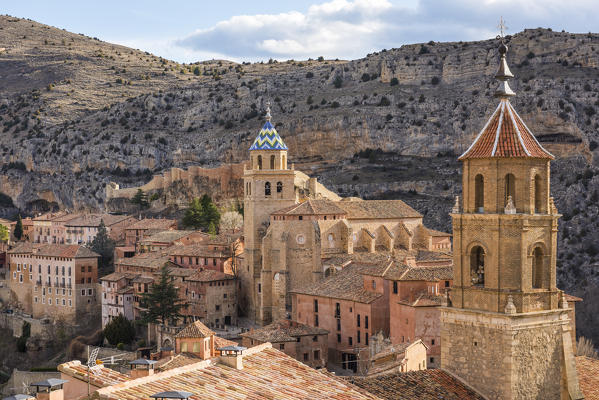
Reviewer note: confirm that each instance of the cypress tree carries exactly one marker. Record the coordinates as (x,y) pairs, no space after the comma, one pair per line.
(19,228)
(162,301)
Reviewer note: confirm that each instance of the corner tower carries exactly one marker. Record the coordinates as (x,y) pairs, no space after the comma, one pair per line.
(268,187)
(506,331)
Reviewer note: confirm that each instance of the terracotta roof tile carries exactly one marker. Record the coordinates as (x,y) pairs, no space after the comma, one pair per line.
(196,250)
(208,275)
(429,384)
(54,250)
(153,223)
(505,135)
(588,377)
(283,330)
(100,377)
(312,207)
(180,360)
(93,220)
(346,284)
(267,374)
(166,236)
(377,209)
(195,330)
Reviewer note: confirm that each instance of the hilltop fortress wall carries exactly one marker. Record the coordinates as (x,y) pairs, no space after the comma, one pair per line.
(223,176)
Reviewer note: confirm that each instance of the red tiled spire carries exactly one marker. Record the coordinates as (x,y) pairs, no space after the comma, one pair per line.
(505,134)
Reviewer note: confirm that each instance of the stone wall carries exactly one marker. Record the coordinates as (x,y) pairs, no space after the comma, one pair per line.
(519,356)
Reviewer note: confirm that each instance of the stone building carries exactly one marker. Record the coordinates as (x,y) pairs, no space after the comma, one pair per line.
(292,223)
(117,296)
(54,280)
(507,331)
(303,342)
(141,228)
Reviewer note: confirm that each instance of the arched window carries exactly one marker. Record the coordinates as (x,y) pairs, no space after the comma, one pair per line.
(259,162)
(510,188)
(272,162)
(279,187)
(267,189)
(537,268)
(538,194)
(479,193)
(477,266)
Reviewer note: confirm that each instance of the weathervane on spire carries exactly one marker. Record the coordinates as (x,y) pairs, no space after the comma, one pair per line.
(268,111)
(502,28)
(503,73)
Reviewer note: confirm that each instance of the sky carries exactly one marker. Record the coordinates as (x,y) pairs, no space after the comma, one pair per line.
(254,30)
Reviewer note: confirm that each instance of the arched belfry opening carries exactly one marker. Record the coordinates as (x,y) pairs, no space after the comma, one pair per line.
(537,268)
(479,193)
(279,187)
(259,162)
(272,162)
(477,266)
(510,189)
(538,193)
(267,189)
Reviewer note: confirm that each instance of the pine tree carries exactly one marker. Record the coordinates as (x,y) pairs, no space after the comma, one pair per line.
(141,199)
(104,246)
(119,330)
(162,301)
(194,214)
(211,214)
(19,228)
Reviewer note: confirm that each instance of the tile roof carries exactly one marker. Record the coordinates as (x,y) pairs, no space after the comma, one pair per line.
(153,223)
(588,377)
(54,250)
(435,233)
(267,374)
(147,260)
(312,207)
(208,275)
(429,384)
(424,300)
(166,236)
(377,209)
(505,135)
(93,220)
(197,250)
(268,139)
(283,330)
(195,330)
(100,376)
(346,284)
(179,360)
(117,276)
(220,342)
(403,272)
(427,256)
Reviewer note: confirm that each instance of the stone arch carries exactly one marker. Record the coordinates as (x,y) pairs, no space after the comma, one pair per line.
(166,344)
(479,193)
(537,187)
(279,187)
(478,259)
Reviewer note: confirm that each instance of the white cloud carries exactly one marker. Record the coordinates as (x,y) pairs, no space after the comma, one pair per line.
(350,29)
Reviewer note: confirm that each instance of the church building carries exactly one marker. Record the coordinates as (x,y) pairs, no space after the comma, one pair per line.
(292,223)
(507,332)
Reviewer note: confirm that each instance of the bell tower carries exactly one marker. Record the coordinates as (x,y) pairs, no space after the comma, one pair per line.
(268,187)
(506,331)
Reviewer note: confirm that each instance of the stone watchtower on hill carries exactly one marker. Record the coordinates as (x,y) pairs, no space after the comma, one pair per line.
(507,331)
(268,187)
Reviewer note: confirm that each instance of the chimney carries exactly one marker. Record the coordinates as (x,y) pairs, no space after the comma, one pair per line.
(232,356)
(141,368)
(50,389)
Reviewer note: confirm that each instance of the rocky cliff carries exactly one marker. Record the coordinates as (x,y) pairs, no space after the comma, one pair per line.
(77,113)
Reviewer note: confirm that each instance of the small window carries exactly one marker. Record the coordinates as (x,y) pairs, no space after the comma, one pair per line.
(282,346)
(305,356)
(267,189)
(315,338)
(297,339)
(373,284)
(338,338)
(316,320)
(432,342)
(366,338)
(358,337)
(338,324)
(315,305)
(259,288)
(395,288)
(316,354)
(259,162)
(272,162)
(358,321)
(366,322)
(350,341)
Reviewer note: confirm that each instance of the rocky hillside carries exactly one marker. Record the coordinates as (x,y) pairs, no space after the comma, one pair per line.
(77,113)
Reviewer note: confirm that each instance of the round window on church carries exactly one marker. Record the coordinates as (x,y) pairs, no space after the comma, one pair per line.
(300,239)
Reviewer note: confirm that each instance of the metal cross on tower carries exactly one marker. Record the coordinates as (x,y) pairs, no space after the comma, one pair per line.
(502,28)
